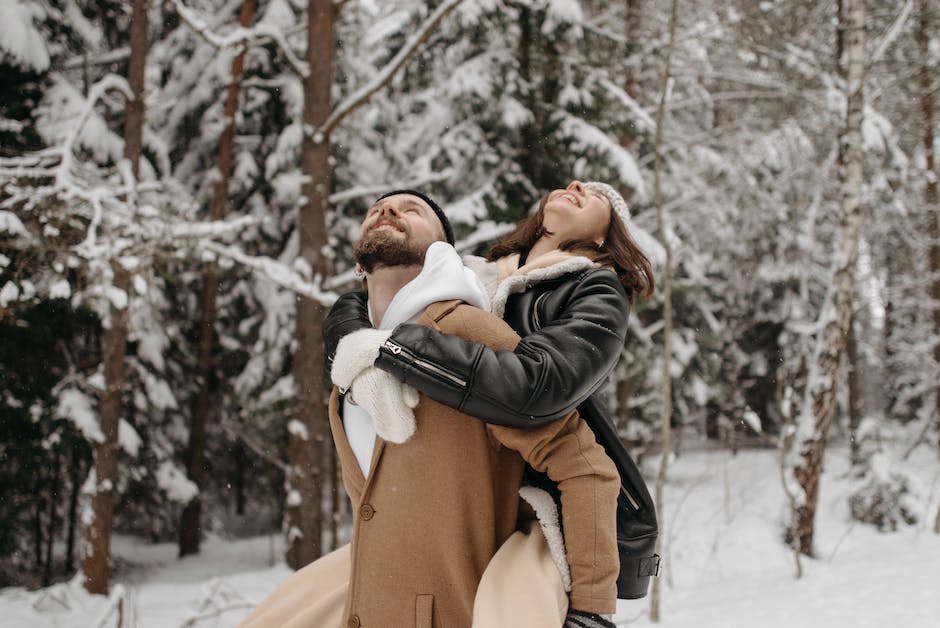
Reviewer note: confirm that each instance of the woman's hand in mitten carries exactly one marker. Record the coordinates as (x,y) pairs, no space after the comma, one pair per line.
(390,403)
(355,353)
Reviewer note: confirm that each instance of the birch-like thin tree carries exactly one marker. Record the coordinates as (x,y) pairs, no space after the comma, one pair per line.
(837,310)
(851,344)
(930,191)
(667,306)
(633,16)
(114,342)
(927,76)
(190,528)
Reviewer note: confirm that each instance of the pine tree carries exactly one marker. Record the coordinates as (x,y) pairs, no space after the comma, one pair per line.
(190,529)
(114,343)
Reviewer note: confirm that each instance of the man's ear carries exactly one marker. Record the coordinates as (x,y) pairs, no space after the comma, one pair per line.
(359,272)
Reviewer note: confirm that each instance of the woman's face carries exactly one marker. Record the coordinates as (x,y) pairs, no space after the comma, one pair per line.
(577,214)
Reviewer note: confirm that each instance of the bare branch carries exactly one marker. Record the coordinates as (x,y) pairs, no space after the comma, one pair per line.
(893,32)
(360,96)
(235,431)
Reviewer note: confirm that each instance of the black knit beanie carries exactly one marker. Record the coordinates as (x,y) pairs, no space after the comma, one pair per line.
(448,232)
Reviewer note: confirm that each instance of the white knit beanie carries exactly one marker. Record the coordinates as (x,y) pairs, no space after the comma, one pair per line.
(616,201)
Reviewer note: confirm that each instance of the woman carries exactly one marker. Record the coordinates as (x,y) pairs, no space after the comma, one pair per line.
(564,280)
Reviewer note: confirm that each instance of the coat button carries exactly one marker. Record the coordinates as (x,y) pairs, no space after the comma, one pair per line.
(366,511)
(354,622)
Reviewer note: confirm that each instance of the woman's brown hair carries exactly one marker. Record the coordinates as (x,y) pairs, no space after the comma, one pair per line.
(619,250)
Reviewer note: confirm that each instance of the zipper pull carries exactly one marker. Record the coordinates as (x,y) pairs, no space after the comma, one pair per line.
(391,346)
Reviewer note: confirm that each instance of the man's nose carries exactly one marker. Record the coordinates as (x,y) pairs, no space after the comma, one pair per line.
(576,186)
(388,208)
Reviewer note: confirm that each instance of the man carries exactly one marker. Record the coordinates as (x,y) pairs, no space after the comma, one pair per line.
(434,509)
(431,510)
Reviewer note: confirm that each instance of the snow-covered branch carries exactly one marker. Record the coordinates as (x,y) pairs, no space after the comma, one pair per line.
(109,58)
(276,272)
(63,174)
(115,604)
(240,36)
(91,235)
(641,117)
(219,598)
(381,79)
(211,228)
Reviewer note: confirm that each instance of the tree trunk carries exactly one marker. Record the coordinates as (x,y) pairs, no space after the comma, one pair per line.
(855,402)
(851,346)
(114,343)
(38,506)
(75,474)
(840,46)
(930,192)
(190,526)
(306,473)
(667,308)
(631,83)
(529,134)
(98,534)
(52,520)
(888,353)
(241,453)
(837,313)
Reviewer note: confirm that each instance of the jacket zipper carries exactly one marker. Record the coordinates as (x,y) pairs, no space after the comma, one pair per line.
(434,369)
(630,497)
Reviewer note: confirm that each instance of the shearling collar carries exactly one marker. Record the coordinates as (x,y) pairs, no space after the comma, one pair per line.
(505,277)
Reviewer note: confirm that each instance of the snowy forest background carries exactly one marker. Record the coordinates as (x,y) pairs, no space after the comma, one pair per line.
(180,181)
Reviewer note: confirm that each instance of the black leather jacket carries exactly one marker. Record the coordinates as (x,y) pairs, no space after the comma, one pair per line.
(573,329)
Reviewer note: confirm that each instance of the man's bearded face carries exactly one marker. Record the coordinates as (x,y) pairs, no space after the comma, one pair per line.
(388,241)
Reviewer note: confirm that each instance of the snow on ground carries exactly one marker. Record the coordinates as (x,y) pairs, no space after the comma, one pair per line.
(724,566)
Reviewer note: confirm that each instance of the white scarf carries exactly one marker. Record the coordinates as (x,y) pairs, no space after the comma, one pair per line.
(443,278)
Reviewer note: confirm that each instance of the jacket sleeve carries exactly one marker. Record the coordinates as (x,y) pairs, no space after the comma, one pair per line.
(550,373)
(350,313)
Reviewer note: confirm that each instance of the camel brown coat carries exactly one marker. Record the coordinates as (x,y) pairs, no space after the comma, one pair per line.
(435,509)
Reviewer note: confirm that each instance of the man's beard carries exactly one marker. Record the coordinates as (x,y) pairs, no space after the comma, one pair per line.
(380,247)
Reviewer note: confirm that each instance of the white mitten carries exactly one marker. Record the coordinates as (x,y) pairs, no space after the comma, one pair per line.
(389,402)
(355,352)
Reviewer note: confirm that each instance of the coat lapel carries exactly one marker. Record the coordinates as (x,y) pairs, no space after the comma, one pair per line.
(352,472)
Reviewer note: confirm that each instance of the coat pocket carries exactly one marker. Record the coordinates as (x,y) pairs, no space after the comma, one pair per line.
(424,612)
